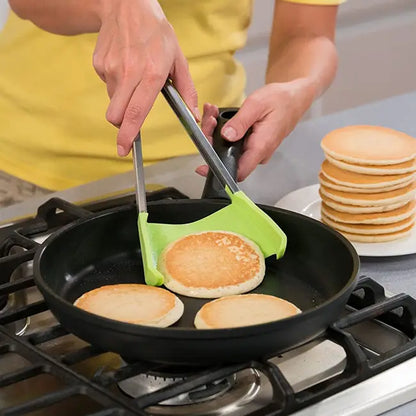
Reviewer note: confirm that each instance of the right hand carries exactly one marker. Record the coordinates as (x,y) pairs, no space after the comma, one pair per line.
(136,52)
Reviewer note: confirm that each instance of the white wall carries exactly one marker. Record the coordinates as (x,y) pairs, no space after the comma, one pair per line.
(376,42)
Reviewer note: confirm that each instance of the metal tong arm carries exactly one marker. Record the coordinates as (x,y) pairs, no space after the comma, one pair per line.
(139,174)
(208,153)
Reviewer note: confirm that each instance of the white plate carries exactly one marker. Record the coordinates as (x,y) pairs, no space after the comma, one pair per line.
(307,201)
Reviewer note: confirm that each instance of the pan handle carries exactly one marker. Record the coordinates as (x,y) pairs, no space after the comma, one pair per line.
(195,133)
(228,152)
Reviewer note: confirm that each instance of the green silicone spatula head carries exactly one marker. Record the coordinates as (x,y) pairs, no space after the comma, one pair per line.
(241,216)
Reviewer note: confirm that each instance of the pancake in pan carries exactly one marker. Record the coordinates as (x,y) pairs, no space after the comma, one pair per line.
(133,303)
(243,310)
(212,264)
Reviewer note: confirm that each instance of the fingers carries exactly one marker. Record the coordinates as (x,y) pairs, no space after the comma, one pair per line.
(182,80)
(136,111)
(202,170)
(210,110)
(98,60)
(251,111)
(248,162)
(209,120)
(120,99)
(258,148)
(134,59)
(121,71)
(208,124)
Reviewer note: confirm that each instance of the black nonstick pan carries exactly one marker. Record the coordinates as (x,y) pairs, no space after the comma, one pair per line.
(317,273)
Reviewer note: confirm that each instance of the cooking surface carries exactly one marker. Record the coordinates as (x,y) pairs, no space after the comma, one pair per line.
(295,165)
(240,390)
(234,390)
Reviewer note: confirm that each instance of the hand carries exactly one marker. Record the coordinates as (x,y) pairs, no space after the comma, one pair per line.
(272,111)
(136,52)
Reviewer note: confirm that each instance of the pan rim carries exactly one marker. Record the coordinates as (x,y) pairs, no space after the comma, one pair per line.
(181,332)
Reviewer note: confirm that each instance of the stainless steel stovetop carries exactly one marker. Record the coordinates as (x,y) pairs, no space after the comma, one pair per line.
(46,371)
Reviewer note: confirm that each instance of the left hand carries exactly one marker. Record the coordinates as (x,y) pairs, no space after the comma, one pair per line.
(271,111)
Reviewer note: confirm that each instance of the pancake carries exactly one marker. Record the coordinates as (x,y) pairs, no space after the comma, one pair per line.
(323,180)
(133,303)
(388,217)
(243,310)
(357,209)
(380,238)
(212,264)
(381,198)
(351,179)
(372,145)
(397,169)
(369,229)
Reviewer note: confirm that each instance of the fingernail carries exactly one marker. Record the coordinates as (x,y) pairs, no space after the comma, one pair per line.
(229,133)
(121,150)
(197,114)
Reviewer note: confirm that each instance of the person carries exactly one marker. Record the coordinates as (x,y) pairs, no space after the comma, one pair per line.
(53,134)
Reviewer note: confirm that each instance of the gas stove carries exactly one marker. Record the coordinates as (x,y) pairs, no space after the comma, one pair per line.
(364,363)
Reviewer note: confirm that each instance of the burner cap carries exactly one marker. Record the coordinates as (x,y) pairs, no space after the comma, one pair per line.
(211,397)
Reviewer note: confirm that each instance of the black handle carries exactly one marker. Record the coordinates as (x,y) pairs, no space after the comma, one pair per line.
(229,153)
(197,136)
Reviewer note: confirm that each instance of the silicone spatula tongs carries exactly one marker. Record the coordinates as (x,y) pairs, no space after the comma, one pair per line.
(241,216)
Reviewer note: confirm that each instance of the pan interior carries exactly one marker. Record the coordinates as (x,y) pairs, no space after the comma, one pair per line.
(127,268)
(105,250)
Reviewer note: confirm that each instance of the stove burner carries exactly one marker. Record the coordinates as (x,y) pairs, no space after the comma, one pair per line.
(232,391)
(148,383)
(13,302)
(16,300)
(377,333)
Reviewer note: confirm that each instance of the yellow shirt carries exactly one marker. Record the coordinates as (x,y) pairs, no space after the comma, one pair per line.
(53,130)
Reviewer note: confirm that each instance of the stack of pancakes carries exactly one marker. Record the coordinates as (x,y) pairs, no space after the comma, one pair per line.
(367,183)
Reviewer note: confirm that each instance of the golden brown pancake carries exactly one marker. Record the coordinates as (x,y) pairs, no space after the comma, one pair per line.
(359,180)
(379,238)
(243,310)
(369,229)
(323,180)
(387,217)
(396,169)
(372,145)
(367,182)
(133,303)
(357,209)
(381,198)
(212,264)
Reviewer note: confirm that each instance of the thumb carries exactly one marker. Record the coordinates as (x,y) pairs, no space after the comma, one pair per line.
(247,115)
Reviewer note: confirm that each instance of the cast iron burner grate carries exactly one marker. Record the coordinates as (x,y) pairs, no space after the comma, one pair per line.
(367,303)
(51,215)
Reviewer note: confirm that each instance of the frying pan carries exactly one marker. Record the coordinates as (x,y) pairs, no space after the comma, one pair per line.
(241,216)
(317,273)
